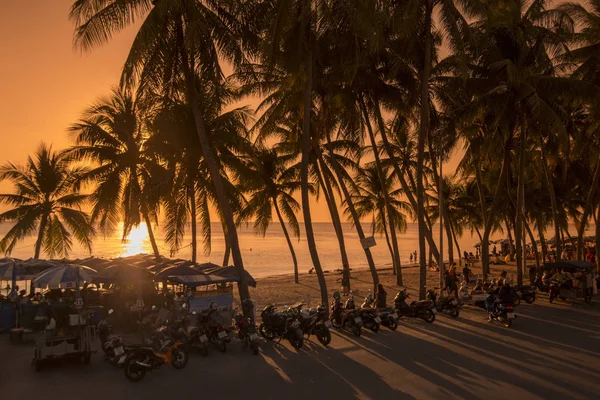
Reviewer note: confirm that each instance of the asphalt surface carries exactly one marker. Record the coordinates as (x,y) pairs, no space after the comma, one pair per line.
(552,351)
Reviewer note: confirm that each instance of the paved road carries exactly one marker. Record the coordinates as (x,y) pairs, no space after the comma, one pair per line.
(552,351)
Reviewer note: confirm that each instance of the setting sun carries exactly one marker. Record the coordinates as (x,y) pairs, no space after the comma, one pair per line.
(137,241)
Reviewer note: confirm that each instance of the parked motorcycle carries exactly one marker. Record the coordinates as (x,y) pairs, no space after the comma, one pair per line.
(194,335)
(111,344)
(525,293)
(423,309)
(142,359)
(246,327)
(503,313)
(215,331)
(369,314)
(447,305)
(388,316)
(345,316)
(314,322)
(281,325)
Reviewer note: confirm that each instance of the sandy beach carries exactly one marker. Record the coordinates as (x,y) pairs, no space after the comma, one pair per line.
(281,290)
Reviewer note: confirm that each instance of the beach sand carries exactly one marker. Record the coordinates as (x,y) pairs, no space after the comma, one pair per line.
(281,290)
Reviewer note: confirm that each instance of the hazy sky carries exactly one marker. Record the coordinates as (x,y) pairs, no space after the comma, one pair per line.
(46,84)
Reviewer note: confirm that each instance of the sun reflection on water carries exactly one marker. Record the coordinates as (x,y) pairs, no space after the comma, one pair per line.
(137,241)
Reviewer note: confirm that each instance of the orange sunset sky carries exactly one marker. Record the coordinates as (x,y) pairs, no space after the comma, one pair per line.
(46,84)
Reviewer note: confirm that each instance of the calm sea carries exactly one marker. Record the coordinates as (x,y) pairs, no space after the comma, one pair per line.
(269,255)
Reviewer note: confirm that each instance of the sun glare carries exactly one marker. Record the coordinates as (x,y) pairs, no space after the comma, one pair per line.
(137,241)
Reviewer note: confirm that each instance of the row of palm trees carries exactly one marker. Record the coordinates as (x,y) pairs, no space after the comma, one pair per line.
(357,106)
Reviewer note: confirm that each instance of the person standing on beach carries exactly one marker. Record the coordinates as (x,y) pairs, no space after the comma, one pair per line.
(415,255)
(411,258)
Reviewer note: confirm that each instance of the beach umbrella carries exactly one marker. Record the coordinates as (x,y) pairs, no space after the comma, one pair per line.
(122,273)
(64,276)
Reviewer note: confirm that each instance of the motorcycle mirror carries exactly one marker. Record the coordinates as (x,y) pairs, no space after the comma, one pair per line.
(111,311)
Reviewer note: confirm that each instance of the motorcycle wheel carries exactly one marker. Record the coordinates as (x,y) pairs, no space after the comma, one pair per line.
(296,341)
(517,301)
(133,371)
(334,323)
(428,316)
(551,298)
(454,312)
(375,327)
(323,335)
(392,324)
(262,329)
(203,350)
(254,346)
(222,347)
(588,299)
(529,300)
(507,322)
(356,330)
(180,358)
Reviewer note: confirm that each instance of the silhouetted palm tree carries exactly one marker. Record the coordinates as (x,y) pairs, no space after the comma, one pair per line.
(46,200)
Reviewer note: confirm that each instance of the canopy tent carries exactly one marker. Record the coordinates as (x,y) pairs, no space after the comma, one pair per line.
(123,273)
(176,270)
(199,280)
(64,276)
(569,265)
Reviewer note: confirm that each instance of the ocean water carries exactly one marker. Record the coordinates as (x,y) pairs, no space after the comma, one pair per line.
(268,255)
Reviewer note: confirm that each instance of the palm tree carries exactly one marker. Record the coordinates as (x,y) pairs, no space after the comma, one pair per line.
(586,58)
(369,201)
(176,41)
(46,199)
(111,134)
(269,185)
(175,143)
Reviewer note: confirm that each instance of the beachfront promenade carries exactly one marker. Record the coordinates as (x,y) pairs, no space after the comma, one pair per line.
(551,352)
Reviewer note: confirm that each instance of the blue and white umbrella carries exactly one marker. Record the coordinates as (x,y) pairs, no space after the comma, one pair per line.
(64,276)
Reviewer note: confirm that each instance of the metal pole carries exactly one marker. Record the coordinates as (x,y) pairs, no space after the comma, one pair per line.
(441,212)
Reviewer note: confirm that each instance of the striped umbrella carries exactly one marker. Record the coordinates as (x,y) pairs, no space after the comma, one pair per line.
(64,276)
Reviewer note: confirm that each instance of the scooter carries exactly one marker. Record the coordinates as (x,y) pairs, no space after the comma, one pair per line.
(447,305)
(387,315)
(503,313)
(423,309)
(346,317)
(111,344)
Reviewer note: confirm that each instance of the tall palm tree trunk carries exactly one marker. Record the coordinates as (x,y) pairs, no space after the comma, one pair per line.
(553,202)
(519,231)
(511,245)
(40,238)
(192,196)
(287,238)
(396,251)
(150,232)
(353,213)
(542,242)
(456,242)
(335,216)
(598,240)
(489,217)
(423,130)
(588,209)
(448,229)
(405,186)
(387,239)
(213,167)
(533,245)
(310,236)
